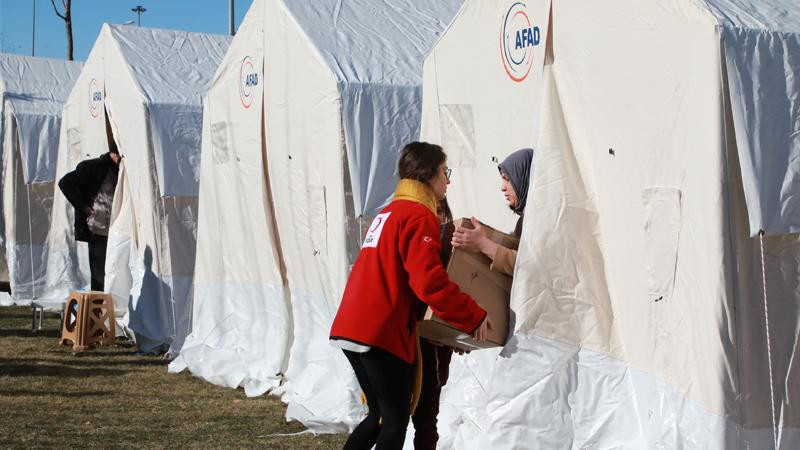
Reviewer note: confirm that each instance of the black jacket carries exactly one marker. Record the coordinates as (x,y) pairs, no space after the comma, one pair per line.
(81,186)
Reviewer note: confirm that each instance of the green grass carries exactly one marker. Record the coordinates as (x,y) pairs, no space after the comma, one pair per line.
(112,398)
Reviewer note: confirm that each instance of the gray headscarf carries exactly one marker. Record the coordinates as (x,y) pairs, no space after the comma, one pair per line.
(517,167)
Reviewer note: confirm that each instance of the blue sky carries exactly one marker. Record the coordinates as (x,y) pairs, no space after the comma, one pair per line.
(208,16)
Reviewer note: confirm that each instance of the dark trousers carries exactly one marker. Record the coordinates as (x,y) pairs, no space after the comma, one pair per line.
(435,371)
(386,382)
(97,260)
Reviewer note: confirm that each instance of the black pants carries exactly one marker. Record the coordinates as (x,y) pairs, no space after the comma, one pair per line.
(386,382)
(435,371)
(97,260)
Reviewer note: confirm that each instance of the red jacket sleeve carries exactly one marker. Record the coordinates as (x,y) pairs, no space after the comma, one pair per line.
(419,249)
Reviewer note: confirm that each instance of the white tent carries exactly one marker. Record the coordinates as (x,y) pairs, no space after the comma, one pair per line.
(32,93)
(302,129)
(149,83)
(668,136)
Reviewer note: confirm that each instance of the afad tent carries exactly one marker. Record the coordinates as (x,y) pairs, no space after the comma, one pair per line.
(148,84)
(302,130)
(668,137)
(32,94)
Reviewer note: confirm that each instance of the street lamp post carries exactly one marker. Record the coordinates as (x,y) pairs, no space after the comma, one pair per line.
(138,10)
(231,27)
(33,33)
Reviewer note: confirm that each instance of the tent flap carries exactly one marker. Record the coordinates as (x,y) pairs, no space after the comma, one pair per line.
(378,122)
(38,144)
(763,70)
(176,144)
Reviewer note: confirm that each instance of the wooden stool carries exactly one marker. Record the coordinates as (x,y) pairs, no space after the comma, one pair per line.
(88,319)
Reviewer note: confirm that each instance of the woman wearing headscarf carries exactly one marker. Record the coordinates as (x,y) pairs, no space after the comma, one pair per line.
(376,324)
(514,175)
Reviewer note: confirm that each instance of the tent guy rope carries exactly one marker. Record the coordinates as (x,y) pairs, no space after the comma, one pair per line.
(769,343)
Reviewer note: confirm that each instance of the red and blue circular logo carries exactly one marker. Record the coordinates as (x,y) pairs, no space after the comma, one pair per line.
(248,80)
(518,38)
(95,98)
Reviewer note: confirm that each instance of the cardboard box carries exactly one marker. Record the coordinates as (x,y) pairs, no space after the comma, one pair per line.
(492,290)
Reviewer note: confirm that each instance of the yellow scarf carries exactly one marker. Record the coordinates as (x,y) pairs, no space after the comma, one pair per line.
(416,191)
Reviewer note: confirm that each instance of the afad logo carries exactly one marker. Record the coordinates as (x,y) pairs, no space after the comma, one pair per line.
(95,98)
(518,39)
(248,80)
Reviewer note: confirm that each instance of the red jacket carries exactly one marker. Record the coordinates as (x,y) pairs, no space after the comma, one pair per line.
(399,262)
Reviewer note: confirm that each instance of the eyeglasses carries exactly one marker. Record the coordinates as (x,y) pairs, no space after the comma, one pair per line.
(447,173)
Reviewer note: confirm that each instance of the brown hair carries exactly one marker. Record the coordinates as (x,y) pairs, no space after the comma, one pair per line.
(420,161)
(443,211)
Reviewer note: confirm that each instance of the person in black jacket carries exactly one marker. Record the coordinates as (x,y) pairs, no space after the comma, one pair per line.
(90,190)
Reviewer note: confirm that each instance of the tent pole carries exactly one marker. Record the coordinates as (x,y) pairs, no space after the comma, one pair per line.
(30,243)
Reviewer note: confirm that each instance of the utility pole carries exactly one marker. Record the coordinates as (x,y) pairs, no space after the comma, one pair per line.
(33,33)
(231,27)
(138,10)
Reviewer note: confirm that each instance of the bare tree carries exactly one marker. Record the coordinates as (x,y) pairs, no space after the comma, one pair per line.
(66,16)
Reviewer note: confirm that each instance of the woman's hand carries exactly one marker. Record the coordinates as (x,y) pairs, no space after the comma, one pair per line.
(474,240)
(483,329)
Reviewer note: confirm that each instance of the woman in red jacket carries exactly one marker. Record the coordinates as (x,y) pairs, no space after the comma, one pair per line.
(376,322)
